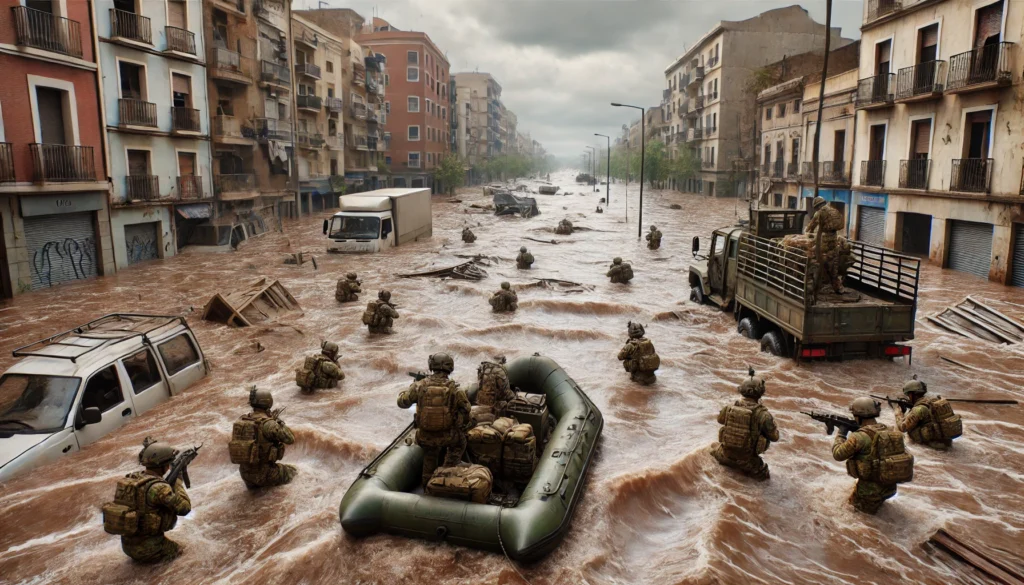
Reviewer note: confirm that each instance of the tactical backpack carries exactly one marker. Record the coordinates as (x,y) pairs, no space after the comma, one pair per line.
(887,461)
(305,377)
(625,272)
(434,411)
(647,360)
(370,314)
(493,384)
(484,444)
(741,431)
(519,454)
(129,514)
(944,424)
(248,446)
(464,482)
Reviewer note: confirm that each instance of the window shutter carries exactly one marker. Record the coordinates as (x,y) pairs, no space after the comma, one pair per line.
(990,22)
(922,135)
(930,36)
(181,84)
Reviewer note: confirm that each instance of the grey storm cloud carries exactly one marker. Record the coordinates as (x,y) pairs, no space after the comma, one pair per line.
(561,62)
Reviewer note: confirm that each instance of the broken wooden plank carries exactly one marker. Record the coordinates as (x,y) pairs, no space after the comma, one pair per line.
(465,271)
(977,559)
(1009,325)
(258,302)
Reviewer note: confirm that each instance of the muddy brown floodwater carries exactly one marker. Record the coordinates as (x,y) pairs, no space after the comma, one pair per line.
(657,508)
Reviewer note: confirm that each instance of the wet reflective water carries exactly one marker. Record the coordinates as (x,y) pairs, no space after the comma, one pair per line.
(657,508)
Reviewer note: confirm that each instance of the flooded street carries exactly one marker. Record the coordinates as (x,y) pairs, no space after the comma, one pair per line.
(657,507)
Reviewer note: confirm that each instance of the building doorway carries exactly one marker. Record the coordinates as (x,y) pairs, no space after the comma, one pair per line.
(916,236)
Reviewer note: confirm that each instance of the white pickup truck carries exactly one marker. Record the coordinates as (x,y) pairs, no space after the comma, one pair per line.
(377,220)
(71,389)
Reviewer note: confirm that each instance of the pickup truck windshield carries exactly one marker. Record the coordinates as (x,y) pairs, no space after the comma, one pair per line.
(355,228)
(31,403)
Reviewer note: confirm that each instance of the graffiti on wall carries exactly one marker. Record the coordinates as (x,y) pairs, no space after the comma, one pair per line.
(141,248)
(62,260)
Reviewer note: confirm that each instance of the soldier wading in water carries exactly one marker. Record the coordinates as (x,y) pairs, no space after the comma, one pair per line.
(380,315)
(348,288)
(258,442)
(320,370)
(505,300)
(638,356)
(747,431)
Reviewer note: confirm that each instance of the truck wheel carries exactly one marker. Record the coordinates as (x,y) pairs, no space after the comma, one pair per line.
(772,343)
(748,328)
(696,295)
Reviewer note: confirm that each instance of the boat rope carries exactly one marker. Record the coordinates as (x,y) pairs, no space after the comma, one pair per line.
(505,552)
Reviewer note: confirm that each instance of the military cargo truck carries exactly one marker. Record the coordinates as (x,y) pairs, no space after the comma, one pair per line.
(771,292)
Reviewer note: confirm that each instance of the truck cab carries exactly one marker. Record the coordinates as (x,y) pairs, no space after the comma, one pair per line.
(73,388)
(361,231)
(377,220)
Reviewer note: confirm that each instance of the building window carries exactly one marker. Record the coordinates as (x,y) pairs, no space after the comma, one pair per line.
(796,106)
(414,104)
(330,67)
(412,74)
(428,108)
(414,160)
(782,110)
(768,113)
(387,107)
(414,133)
(413,57)
(387,160)
(387,80)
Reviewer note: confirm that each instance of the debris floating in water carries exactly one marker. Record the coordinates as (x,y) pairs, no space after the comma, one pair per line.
(465,271)
(975,320)
(255,304)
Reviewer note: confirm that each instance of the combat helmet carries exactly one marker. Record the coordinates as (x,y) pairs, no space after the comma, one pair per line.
(865,407)
(329,349)
(441,362)
(819,201)
(522,249)
(384,295)
(636,330)
(352,276)
(155,454)
(617,260)
(654,228)
(505,286)
(915,386)
(752,387)
(260,398)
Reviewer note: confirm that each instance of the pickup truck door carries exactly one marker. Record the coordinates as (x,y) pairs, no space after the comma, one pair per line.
(387,232)
(182,361)
(145,380)
(729,277)
(109,392)
(716,264)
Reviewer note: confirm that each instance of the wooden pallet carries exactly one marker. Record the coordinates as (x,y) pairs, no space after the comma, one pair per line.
(999,571)
(257,303)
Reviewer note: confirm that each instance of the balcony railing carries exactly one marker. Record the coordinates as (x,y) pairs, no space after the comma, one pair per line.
(233,183)
(316,140)
(982,66)
(131,26)
(766,169)
(136,113)
(333,104)
(6,163)
(875,91)
(710,131)
(698,133)
(49,32)
(920,81)
(180,40)
(310,102)
(142,187)
(185,120)
(227,126)
(698,102)
(879,8)
(358,142)
(914,173)
(272,129)
(359,111)
(707,164)
(308,69)
(698,74)
(190,187)
(973,175)
(872,173)
(777,169)
(792,170)
(225,64)
(274,73)
(829,172)
(301,139)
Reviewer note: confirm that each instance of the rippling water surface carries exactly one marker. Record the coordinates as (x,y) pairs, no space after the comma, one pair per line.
(657,508)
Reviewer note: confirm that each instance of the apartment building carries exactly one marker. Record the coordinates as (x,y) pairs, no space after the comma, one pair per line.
(708,85)
(835,151)
(249,84)
(510,130)
(54,196)
(939,131)
(479,111)
(157,124)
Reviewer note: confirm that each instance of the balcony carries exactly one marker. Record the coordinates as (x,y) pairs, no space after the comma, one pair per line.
(680,137)
(272,129)
(372,116)
(301,139)
(228,130)
(45,31)
(697,134)
(128,26)
(142,187)
(334,105)
(6,163)
(697,76)
(189,187)
(136,114)
(698,102)
(371,144)
(359,142)
(712,62)
(875,92)
(879,8)
(275,74)
(921,82)
(316,140)
(777,169)
(829,173)
(180,40)
(872,173)
(710,131)
(359,111)
(313,103)
(310,39)
(185,121)
(412,164)
(707,164)
(983,68)
(335,142)
(792,170)
(228,65)
(308,69)
(234,5)
(240,183)
(973,175)
(914,173)
(766,169)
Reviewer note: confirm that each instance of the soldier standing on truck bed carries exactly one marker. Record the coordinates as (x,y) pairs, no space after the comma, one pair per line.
(929,421)
(638,356)
(258,442)
(747,431)
(380,315)
(828,221)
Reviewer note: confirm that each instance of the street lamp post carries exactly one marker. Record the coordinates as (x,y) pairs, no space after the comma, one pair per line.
(643,132)
(608,173)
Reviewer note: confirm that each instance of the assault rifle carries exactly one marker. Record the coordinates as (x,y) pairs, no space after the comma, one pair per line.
(418,375)
(905,404)
(833,420)
(179,468)
(274,413)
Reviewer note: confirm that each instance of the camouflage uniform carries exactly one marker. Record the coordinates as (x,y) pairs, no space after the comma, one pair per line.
(923,422)
(620,272)
(829,221)
(748,430)
(505,300)
(863,451)
(564,228)
(455,415)
(638,356)
(321,370)
(495,391)
(653,238)
(468,236)
(380,315)
(525,259)
(348,288)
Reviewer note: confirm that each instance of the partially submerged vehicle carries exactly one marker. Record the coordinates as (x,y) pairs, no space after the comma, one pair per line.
(374,221)
(71,389)
(547,189)
(505,203)
(526,524)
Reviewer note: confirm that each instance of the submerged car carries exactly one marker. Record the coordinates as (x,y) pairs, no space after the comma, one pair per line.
(75,387)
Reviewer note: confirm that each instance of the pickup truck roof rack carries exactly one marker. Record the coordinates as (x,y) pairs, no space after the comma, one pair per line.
(114,327)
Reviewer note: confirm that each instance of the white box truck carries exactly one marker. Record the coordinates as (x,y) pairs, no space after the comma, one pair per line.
(377,220)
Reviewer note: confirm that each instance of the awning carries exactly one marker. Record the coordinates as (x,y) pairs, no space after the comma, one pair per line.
(194,210)
(318,186)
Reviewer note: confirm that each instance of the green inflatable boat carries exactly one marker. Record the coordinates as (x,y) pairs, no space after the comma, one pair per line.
(383,498)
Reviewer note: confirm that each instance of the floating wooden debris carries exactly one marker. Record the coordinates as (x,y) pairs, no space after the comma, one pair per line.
(261,301)
(997,570)
(465,271)
(973,319)
(542,241)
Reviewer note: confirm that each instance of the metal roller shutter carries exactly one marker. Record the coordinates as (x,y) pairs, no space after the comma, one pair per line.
(1017,276)
(141,241)
(871,225)
(970,247)
(61,248)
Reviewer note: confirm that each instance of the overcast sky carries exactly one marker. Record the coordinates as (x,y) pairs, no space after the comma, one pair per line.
(561,62)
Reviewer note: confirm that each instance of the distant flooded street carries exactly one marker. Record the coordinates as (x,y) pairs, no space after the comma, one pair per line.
(657,508)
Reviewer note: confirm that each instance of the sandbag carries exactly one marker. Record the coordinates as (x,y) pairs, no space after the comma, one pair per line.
(519,453)
(503,424)
(484,443)
(463,482)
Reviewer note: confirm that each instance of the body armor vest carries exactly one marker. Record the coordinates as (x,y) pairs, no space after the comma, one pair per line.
(647,360)
(886,461)
(130,513)
(249,446)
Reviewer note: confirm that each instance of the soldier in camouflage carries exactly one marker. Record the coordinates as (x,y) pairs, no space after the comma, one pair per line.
(442,415)
(653,238)
(505,300)
(495,391)
(320,370)
(564,228)
(159,508)
(348,288)
(638,356)
(270,435)
(929,421)
(468,236)
(525,259)
(874,455)
(380,315)
(829,221)
(620,272)
(748,430)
